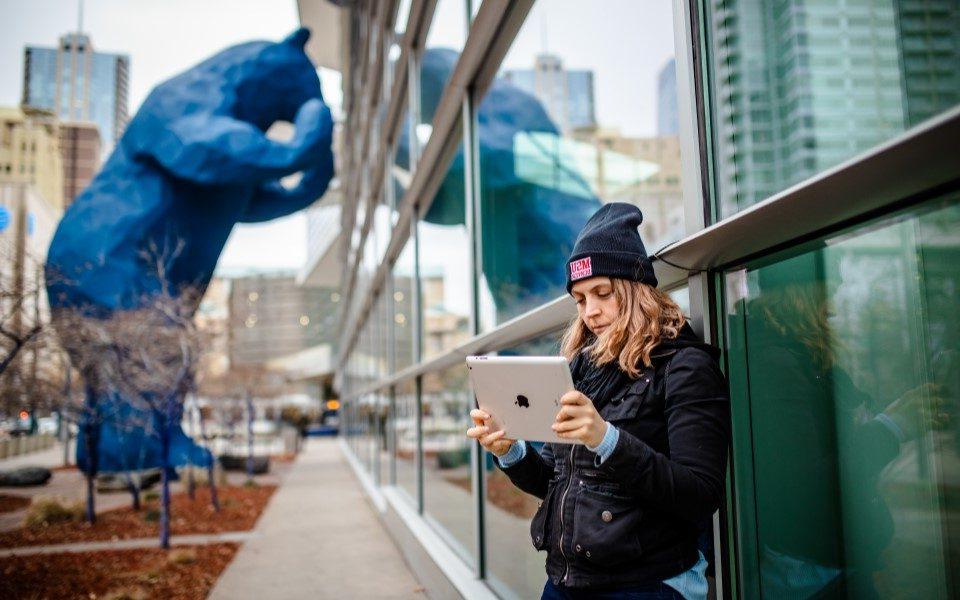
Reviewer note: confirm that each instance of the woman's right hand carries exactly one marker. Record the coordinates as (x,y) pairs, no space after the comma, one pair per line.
(493,442)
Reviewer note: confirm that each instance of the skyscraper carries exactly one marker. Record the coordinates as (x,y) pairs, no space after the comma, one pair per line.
(567,95)
(803,87)
(668,122)
(80,150)
(78,84)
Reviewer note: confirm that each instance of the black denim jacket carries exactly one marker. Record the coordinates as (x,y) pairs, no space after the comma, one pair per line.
(636,518)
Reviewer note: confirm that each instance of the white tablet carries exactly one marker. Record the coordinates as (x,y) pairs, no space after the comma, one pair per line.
(521,393)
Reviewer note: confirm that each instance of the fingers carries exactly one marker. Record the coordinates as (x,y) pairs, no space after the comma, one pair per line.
(570,425)
(573,398)
(478,416)
(576,434)
(573,411)
(488,440)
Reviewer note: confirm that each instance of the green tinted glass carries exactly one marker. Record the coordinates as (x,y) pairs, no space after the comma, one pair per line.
(801,86)
(844,364)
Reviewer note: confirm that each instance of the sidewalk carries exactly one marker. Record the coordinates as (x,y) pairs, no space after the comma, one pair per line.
(49,458)
(318,538)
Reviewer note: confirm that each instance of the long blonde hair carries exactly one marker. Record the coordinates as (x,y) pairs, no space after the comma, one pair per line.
(647,315)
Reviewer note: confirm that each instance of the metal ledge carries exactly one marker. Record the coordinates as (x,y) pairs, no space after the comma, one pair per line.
(923,158)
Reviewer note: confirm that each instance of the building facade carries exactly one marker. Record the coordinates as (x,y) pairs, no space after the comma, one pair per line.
(566,94)
(271,316)
(80,152)
(30,153)
(78,84)
(813,235)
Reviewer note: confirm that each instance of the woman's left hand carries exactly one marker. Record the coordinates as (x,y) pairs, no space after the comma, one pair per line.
(579,420)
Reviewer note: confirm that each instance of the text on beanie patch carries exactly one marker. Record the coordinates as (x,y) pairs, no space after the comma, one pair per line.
(580,268)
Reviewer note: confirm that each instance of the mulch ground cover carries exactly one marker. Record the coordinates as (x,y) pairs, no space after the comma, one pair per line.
(181,573)
(12,503)
(240,507)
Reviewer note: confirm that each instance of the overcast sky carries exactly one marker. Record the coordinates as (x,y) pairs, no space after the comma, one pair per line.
(162,38)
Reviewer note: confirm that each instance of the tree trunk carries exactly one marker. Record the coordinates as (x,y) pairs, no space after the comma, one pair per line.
(134,487)
(91,435)
(249,437)
(210,477)
(165,486)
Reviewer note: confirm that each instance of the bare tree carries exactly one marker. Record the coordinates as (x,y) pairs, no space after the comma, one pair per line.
(31,361)
(137,367)
(245,383)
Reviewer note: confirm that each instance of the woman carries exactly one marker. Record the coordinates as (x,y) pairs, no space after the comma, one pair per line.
(625,502)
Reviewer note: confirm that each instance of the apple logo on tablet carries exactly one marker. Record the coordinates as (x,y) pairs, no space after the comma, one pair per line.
(522,401)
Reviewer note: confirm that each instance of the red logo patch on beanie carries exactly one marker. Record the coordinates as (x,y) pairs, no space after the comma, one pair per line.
(580,269)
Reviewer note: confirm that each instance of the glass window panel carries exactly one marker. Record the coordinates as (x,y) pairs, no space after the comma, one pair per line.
(381,439)
(405,432)
(403,14)
(844,362)
(445,267)
(566,127)
(403,321)
(800,87)
(515,569)
(447,477)
(445,41)
(382,229)
(402,164)
(681,296)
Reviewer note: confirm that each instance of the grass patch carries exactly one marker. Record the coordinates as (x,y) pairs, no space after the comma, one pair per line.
(182,556)
(127,593)
(152,515)
(47,511)
(151,496)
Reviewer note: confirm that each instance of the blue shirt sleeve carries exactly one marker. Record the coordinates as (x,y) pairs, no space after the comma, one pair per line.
(607,444)
(514,455)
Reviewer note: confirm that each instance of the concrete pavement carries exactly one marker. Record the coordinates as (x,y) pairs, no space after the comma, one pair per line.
(318,538)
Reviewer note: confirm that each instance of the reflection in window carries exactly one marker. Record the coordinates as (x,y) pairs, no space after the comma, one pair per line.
(515,568)
(405,436)
(566,127)
(447,487)
(848,358)
(445,267)
(403,321)
(445,40)
(799,88)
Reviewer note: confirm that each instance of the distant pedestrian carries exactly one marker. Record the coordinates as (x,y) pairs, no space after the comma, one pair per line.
(624,506)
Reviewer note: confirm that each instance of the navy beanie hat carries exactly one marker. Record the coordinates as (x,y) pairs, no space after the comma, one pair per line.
(610,245)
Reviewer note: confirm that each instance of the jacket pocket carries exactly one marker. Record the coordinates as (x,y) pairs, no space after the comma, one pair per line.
(626,406)
(606,527)
(540,524)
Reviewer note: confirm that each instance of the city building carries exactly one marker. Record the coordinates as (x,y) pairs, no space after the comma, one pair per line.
(567,94)
(804,211)
(30,152)
(668,123)
(77,83)
(213,321)
(80,152)
(271,316)
(808,87)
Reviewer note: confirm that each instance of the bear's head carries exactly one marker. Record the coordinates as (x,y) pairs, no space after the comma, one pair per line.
(275,79)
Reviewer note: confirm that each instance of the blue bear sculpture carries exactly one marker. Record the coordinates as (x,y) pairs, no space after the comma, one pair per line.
(194,161)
